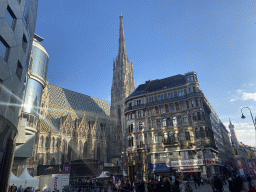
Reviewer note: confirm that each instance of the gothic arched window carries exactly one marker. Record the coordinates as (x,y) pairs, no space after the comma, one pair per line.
(202,134)
(154,124)
(140,126)
(198,116)
(41,142)
(169,122)
(187,135)
(185,119)
(164,122)
(52,161)
(174,120)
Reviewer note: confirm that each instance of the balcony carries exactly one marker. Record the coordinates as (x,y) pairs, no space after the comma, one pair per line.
(141,106)
(171,141)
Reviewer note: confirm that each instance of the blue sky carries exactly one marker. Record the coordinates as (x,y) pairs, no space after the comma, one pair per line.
(215,38)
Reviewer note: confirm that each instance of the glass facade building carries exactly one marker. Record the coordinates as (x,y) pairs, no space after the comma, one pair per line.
(17,21)
(36,81)
(38,67)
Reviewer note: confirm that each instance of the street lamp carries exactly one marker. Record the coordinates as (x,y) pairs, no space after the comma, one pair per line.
(122,158)
(243,117)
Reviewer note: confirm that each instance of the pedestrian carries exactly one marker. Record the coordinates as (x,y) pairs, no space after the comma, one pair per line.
(195,181)
(238,184)
(224,180)
(158,187)
(199,180)
(249,179)
(167,186)
(176,187)
(13,188)
(212,184)
(231,184)
(218,184)
(20,189)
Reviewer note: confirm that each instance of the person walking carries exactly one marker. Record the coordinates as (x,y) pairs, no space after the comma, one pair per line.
(218,184)
(238,184)
(195,181)
(198,180)
(212,184)
(223,179)
(13,188)
(249,179)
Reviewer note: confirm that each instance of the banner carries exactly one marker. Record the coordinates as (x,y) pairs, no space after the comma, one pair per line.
(241,166)
(31,171)
(252,167)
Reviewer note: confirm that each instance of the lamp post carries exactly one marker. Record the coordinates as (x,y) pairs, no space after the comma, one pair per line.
(122,157)
(243,117)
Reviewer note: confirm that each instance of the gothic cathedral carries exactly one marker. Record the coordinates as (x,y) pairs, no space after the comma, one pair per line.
(122,86)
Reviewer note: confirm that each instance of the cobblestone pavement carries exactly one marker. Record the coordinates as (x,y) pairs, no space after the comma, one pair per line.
(208,188)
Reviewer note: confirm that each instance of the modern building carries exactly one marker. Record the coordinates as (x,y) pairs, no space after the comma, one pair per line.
(17,21)
(168,128)
(71,126)
(35,83)
(123,85)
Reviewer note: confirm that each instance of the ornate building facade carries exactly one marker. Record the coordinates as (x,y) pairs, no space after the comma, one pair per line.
(72,126)
(168,126)
(123,85)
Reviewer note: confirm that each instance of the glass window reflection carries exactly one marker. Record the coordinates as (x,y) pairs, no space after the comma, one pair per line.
(9,17)
(2,49)
(33,95)
(39,63)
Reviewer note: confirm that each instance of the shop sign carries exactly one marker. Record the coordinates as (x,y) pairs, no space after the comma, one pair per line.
(157,165)
(211,161)
(195,167)
(186,162)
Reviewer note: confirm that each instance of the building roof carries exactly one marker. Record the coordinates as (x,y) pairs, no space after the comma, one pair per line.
(159,84)
(77,101)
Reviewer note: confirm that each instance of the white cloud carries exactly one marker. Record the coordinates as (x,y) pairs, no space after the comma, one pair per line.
(232,100)
(248,96)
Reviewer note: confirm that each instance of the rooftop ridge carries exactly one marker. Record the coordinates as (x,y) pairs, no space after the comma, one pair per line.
(78,92)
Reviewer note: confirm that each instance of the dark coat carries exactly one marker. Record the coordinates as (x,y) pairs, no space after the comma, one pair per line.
(238,184)
(218,184)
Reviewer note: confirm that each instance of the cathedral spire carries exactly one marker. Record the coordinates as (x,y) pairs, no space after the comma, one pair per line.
(122,43)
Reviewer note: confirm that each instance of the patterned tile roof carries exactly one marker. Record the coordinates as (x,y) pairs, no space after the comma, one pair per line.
(77,101)
(50,123)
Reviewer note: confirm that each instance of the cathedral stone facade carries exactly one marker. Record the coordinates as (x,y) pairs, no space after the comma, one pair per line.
(122,86)
(72,126)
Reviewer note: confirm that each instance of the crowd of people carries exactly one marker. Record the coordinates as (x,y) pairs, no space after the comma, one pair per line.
(235,184)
